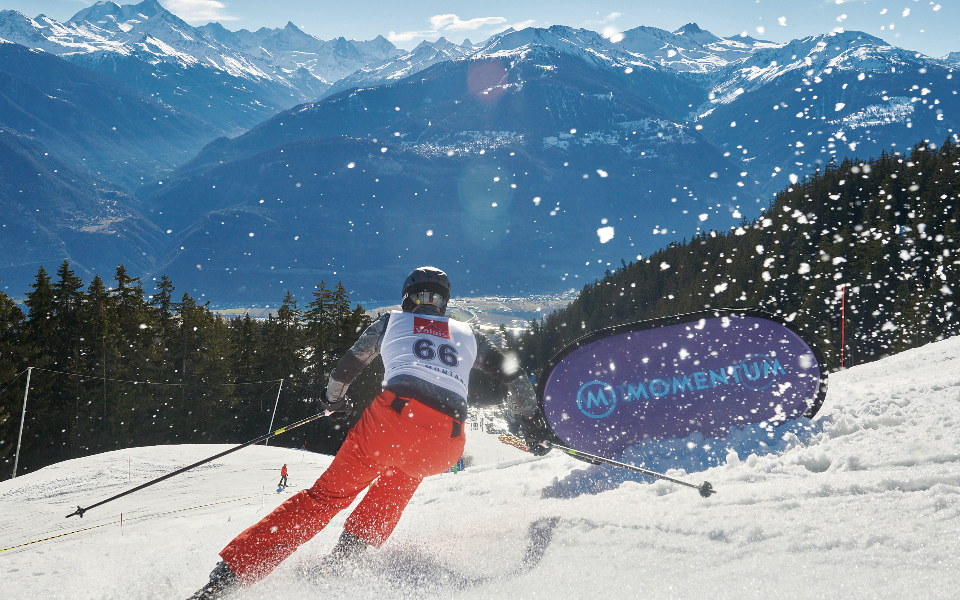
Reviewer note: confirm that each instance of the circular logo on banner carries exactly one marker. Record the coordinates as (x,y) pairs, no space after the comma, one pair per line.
(596,399)
(759,371)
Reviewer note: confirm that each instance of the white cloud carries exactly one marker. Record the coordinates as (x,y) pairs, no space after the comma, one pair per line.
(404,36)
(522,25)
(440,21)
(514,26)
(451,22)
(606,20)
(198,10)
(782,21)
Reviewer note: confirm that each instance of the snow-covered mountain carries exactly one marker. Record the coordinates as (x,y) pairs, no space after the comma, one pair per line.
(285,57)
(688,49)
(790,108)
(633,118)
(575,118)
(852,89)
(813,58)
(725,68)
(283,51)
(576,142)
(395,67)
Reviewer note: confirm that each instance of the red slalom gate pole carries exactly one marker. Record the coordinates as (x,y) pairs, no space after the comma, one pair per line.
(843,322)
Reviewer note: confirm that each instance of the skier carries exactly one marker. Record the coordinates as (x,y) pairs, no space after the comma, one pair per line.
(411,430)
(283,477)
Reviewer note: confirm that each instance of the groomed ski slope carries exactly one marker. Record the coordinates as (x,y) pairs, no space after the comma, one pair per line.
(863,504)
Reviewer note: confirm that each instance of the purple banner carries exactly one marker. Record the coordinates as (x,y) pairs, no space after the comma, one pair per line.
(668,378)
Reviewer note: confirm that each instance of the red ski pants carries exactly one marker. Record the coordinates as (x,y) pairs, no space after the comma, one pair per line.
(398,449)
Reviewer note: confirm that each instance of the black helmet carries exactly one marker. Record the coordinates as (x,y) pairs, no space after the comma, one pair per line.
(425,287)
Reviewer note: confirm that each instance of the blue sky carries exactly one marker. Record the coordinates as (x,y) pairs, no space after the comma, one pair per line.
(926,26)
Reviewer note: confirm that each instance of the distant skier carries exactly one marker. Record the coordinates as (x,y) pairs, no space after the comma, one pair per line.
(283,477)
(413,429)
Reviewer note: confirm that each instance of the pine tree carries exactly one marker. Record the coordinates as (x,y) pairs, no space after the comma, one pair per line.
(283,357)
(68,298)
(245,335)
(342,330)
(101,339)
(41,332)
(13,359)
(319,325)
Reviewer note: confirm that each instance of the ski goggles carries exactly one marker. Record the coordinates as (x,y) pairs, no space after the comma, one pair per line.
(427,298)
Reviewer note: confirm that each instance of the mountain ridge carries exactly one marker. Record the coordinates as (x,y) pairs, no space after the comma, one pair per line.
(267,56)
(659,143)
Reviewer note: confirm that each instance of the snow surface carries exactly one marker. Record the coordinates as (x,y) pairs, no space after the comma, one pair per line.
(862,502)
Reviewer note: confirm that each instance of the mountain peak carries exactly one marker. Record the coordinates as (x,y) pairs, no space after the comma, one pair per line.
(97,11)
(149,5)
(691,28)
(693,32)
(107,10)
(215,26)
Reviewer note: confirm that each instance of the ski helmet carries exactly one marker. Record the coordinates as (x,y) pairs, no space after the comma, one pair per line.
(425,287)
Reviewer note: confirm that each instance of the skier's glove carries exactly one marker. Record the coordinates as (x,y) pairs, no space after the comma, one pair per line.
(536,434)
(338,410)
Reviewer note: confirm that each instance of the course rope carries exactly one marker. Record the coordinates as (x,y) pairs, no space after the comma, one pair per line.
(10,381)
(137,382)
(160,514)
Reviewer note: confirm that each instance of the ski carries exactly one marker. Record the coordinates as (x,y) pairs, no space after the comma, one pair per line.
(409,568)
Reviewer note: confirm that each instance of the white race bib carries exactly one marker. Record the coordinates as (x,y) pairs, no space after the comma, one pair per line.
(438,350)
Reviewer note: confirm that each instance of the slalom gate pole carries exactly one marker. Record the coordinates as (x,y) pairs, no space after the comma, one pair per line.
(705,488)
(23,418)
(80,511)
(843,320)
(275,405)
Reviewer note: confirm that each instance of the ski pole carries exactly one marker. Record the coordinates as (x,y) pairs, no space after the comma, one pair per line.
(80,511)
(705,488)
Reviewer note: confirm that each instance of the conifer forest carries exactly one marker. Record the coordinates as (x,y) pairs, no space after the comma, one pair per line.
(861,251)
(115,366)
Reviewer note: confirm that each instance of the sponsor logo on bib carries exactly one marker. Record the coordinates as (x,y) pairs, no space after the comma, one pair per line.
(435,328)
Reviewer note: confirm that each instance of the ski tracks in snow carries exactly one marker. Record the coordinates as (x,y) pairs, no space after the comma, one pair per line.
(408,571)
